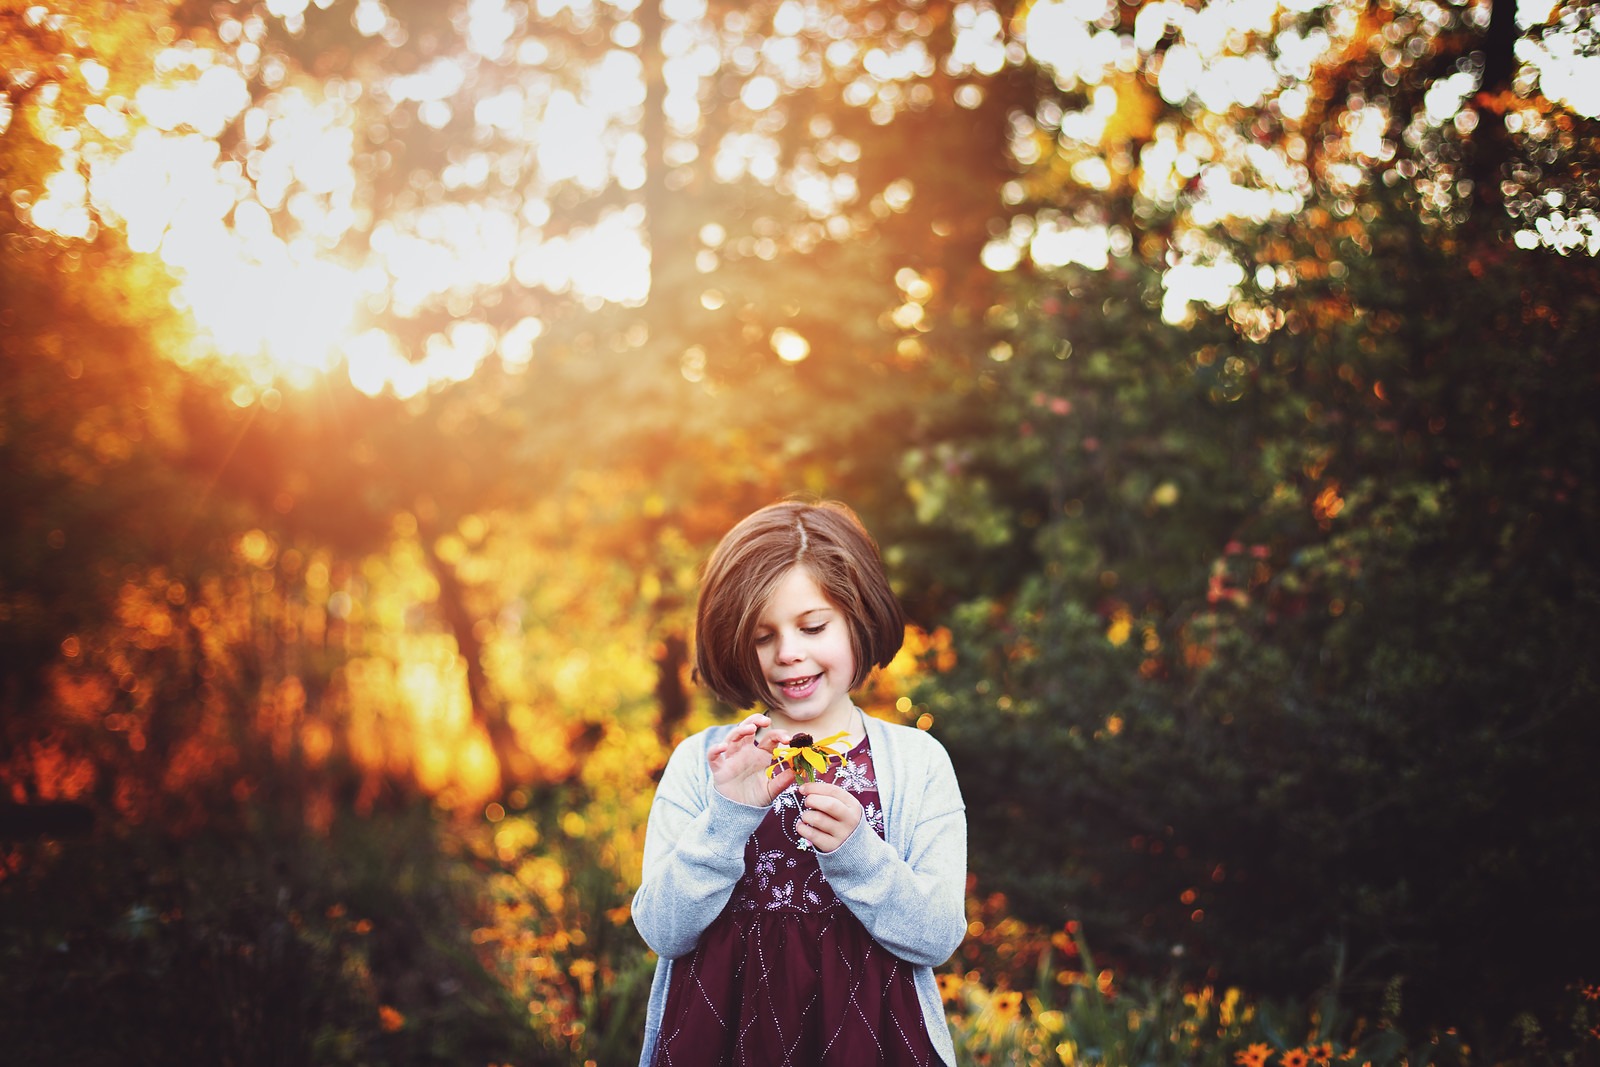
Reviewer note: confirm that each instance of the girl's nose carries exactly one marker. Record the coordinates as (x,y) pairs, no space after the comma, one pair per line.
(788,649)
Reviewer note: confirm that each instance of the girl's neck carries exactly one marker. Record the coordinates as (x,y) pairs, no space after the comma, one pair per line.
(849,720)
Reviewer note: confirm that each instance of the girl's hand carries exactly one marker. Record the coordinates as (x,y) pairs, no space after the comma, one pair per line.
(739,764)
(831,815)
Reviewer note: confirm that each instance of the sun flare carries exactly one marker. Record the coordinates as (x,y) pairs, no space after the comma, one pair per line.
(287,275)
(258,247)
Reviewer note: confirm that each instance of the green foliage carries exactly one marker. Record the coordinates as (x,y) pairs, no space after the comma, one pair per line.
(1299,622)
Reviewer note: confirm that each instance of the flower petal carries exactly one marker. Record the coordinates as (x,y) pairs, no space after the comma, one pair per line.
(825,745)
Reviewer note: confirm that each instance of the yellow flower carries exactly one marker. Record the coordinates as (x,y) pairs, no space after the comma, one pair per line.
(1121,626)
(1322,1053)
(1230,1005)
(949,987)
(1296,1057)
(1254,1056)
(1007,1004)
(807,758)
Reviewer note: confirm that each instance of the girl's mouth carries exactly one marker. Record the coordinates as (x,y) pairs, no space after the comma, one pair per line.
(798,688)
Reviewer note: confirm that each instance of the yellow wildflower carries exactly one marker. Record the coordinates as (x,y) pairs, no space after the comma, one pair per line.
(1230,1005)
(1254,1056)
(807,758)
(1121,626)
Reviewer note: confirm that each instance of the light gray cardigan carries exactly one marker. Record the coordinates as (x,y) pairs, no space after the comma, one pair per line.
(908,889)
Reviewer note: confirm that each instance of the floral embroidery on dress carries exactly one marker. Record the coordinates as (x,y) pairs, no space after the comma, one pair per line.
(874,817)
(853,777)
(766,868)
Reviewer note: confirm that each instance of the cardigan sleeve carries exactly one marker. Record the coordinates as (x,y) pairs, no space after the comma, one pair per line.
(911,897)
(693,853)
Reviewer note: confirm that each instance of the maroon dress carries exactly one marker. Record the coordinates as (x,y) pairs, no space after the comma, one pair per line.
(787,974)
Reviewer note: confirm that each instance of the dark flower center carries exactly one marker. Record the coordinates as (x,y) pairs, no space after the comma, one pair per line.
(800,741)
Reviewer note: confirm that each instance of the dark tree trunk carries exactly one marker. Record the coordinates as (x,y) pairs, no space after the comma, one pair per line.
(1499,47)
(487,709)
(664,251)
(672,699)
(1491,145)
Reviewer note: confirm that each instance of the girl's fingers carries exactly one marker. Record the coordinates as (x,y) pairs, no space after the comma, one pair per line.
(813,823)
(830,813)
(739,762)
(824,833)
(748,727)
(822,805)
(829,807)
(735,739)
(825,794)
(780,780)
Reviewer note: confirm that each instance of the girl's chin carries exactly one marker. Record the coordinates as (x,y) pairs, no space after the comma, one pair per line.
(806,712)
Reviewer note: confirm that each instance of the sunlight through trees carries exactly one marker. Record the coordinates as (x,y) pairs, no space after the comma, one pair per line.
(1219,378)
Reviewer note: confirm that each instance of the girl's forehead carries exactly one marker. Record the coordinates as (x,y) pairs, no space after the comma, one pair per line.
(796,593)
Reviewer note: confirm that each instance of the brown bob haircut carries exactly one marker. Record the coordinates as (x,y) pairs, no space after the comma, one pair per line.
(829,541)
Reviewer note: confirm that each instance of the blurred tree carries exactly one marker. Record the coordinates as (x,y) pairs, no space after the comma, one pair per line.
(88,409)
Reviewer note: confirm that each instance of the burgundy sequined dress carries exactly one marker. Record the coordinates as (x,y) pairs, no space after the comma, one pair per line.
(787,974)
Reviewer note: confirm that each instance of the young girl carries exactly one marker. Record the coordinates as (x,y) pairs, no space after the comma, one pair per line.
(800,922)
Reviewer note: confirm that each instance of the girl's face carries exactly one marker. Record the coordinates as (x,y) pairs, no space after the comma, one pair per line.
(803,644)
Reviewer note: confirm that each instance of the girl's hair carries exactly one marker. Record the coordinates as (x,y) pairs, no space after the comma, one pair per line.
(829,541)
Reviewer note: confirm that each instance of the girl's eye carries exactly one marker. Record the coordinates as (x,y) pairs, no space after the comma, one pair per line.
(815,629)
(762,639)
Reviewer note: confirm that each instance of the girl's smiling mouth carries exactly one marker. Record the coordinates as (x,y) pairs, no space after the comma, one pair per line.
(799,687)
